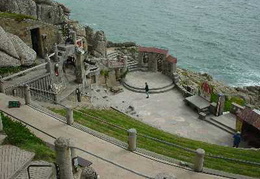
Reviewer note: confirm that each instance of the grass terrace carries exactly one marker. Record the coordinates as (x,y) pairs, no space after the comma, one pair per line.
(99,119)
(20,136)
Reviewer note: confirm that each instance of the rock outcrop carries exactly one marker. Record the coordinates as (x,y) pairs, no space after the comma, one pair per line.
(99,44)
(27,7)
(26,54)
(45,10)
(14,52)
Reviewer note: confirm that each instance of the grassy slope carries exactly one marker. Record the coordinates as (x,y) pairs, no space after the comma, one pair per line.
(20,136)
(127,122)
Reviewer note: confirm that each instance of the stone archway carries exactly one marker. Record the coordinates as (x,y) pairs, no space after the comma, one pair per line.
(159,59)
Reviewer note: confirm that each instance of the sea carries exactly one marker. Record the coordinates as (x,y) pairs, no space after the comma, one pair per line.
(218,37)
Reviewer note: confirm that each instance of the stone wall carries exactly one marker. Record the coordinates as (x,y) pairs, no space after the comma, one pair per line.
(22,30)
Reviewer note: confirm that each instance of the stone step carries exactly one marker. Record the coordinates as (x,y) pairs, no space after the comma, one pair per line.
(220,125)
(37,172)
(151,91)
(13,160)
(223,125)
(2,138)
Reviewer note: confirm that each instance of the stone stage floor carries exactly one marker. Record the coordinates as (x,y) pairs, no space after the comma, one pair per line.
(166,111)
(154,80)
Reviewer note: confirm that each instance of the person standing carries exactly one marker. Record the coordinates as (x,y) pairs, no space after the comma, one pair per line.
(146,90)
(237,139)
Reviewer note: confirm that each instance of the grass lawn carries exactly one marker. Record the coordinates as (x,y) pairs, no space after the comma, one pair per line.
(20,136)
(124,121)
(17,17)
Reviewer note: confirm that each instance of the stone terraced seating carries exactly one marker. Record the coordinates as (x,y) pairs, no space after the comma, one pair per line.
(13,160)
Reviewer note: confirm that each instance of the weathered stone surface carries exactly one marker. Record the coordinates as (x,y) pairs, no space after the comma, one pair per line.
(13,51)
(27,7)
(89,34)
(26,54)
(6,60)
(52,14)
(100,44)
(6,45)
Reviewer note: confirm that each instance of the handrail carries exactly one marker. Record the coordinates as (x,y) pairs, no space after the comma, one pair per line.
(25,71)
(28,168)
(51,55)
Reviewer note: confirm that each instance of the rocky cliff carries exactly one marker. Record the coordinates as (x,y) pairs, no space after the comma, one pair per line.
(44,10)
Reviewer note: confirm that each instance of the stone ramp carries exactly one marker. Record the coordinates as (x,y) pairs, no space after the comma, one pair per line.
(37,172)
(13,160)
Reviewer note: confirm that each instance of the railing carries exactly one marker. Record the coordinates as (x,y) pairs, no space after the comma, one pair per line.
(43,95)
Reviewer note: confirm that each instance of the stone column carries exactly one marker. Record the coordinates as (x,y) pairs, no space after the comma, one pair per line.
(27,94)
(132,139)
(1,124)
(73,154)
(199,160)
(73,36)
(220,104)
(56,57)
(69,116)
(48,65)
(2,89)
(79,67)
(63,158)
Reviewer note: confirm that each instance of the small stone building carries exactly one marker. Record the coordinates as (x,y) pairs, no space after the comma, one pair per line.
(248,122)
(157,60)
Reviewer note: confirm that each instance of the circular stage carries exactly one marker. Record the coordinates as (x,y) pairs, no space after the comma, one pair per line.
(155,80)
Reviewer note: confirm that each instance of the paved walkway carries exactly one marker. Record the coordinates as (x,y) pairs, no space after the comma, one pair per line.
(97,146)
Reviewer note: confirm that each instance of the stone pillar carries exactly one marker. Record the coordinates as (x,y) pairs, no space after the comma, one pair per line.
(27,94)
(55,99)
(220,104)
(199,160)
(2,89)
(48,65)
(1,124)
(73,36)
(56,57)
(132,139)
(79,67)
(69,116)
(73,154)
(60,37)
(63,158)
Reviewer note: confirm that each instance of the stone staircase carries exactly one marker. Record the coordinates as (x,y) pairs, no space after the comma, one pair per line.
(65,50)
(220,125)
(151,91)
(14,163)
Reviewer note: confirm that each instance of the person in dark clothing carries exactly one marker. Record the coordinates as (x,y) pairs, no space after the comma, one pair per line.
(237,139)
(146,90)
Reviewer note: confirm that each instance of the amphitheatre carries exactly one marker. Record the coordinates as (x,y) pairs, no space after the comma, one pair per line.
(73,105)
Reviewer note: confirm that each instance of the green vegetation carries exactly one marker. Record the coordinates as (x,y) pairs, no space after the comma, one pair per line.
(228,101)
(5,71)
(17,17)
(126,122)
(20,136)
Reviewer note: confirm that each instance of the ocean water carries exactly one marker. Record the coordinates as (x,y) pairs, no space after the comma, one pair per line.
(218,37)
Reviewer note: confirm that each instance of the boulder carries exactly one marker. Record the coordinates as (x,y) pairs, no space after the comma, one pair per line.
(7,60)
(13,51)
(6,45)
(27,7)
(26,54)
(100,44)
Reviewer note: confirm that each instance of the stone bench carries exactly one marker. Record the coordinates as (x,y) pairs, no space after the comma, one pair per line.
(202,115)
